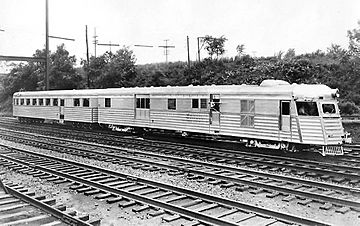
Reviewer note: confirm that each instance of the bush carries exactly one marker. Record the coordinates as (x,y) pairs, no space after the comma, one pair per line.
(348,108)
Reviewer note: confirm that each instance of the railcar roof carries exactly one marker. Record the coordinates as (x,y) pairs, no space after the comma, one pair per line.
(282,87)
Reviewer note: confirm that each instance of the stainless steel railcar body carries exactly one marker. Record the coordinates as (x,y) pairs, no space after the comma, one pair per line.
(62,105)
(274,114)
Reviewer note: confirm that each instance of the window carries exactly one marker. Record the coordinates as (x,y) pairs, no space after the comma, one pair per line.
(27,101)
(21,101)
(62,102)
(285,108)
(247,113)
(307,108)
(76,102)
(86,102)
(34,101)
(147,103)
(203,103)
(107,102)
(215,104)
(143,103)
(247,106)
(41,102)
(328,108)
(17,101)
(55,102)
(47,102)
(172,104)
(195,103)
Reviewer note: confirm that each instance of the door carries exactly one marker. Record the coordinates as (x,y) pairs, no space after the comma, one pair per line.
(61,108)
(215,113)
(285,119)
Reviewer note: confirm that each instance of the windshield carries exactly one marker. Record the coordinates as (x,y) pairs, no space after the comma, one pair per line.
(307,108)
(328,108)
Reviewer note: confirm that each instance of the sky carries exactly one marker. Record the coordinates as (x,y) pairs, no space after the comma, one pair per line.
(265,27)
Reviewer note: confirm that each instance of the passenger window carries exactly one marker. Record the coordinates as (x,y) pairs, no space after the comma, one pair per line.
(55,102)
(21,101)
(328,108)
(107,102)
(285,108)
(195,103)
(76,102)
(203,103)
(147,103)
(27,101)
(41,102)
(86,102)
(62,102)
(307,108)
(172,104)
(247,106)
(47,102)
(34,102)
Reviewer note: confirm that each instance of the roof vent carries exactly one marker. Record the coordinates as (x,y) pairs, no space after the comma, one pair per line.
(271,82)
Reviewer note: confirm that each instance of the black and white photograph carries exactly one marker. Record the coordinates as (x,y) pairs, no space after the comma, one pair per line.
(179,112)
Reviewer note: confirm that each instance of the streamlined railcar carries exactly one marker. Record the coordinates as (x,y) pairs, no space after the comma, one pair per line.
(275,114)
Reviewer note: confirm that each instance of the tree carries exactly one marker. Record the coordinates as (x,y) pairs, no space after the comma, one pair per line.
(240,50)
(354,41)
(116,70)
(62,74)
(289,54)
(214,45)
(336,52)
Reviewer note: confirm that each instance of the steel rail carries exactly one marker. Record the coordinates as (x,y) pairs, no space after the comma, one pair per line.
(47,208)
(183,211)
(213,165)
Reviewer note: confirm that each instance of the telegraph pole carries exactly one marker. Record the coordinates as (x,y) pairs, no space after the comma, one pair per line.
(87,57)
(166,46)
(188,52)
(95,40)
(47,65)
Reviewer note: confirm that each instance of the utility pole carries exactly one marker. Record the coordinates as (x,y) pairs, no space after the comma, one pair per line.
(95,40)
(47,65)
(188,52)
(166,46)
(87,57)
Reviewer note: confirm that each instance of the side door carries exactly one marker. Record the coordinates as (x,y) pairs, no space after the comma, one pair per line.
(285,118)
(61,109)
(215,113)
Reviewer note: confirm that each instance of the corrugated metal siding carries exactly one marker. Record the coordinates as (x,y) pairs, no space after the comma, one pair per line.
(295,131)
(43,112)
(311,130)
(79,114)
(116,116)
(194,122)
(334,130)
(265,127)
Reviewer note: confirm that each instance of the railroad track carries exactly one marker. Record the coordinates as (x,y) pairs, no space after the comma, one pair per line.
(344,171)
(330,196)
(21,206)
(182,204)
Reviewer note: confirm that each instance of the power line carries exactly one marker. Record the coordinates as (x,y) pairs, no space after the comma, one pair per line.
(21,58)
(108,44)
(69,39)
